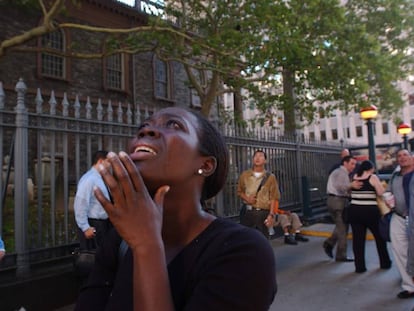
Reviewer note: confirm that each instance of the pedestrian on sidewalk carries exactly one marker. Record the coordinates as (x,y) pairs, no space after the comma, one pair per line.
(364,214)
(398,223)
(344,152)
(259,190)
(91,218)
(339,191)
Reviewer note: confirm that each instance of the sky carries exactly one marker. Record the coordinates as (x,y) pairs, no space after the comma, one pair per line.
(129,2)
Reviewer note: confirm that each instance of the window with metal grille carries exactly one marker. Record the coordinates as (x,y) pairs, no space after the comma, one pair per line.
(53,65)
(161,76)
(114,72)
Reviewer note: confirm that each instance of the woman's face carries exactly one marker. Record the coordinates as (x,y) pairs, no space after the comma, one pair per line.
(165,149)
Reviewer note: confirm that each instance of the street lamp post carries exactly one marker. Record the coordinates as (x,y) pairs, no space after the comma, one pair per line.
(404,129)
(368,114)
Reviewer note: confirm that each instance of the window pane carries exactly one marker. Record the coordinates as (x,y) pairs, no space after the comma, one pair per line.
(323,135)
(385,129)
(312,136)
(359,131)
(51,64)
(161,79)
(334,134)
(114,74)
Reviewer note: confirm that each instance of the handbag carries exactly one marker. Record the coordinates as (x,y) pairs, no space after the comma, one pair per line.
(83,261)
(382,206)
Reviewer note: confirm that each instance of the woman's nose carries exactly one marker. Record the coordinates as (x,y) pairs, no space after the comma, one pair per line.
(148,131)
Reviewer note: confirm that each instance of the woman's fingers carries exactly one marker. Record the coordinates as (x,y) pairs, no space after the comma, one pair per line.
(130,167)
(119,180)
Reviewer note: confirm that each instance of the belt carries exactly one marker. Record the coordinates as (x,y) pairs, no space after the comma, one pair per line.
(255,209)
(402,216)
(338,196)
(94,219)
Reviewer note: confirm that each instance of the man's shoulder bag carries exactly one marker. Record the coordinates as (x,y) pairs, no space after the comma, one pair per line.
(243,208)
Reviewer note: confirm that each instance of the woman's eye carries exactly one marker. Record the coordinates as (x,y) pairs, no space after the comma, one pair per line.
(172,124)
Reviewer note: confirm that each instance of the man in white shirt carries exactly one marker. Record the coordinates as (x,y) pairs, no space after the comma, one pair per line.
(338,190)
(91,218)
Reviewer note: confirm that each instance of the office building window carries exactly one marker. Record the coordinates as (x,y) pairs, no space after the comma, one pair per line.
(312,136)
(53,64)
(335,134)
(411,99)
(323,135)
(358,130)
(348,133)
(385,129)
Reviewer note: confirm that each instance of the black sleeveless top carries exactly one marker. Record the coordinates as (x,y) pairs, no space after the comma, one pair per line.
(366,195)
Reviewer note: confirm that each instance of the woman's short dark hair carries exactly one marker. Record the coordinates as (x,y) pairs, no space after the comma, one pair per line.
(211,143)
(364,166)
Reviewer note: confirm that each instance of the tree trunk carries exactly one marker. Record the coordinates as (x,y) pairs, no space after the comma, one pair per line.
(289,102)
(238,106)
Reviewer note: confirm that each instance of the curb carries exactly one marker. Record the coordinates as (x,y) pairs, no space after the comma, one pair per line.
(326,234)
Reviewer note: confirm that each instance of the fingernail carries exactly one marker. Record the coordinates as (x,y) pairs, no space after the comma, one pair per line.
(123,154)
(111,154)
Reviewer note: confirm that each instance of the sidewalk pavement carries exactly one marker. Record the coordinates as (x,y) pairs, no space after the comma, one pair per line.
(308,280)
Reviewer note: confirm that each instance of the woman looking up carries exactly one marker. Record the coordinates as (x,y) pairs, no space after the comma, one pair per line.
(179,257)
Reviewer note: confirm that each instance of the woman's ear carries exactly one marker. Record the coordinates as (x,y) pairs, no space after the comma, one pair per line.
(209,166)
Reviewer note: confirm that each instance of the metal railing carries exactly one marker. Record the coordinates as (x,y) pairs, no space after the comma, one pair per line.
(45,147)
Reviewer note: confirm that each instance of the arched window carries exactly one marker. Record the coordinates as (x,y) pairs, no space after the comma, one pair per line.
(53,64)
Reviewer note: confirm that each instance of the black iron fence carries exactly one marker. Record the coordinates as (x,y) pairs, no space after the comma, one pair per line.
(45,146)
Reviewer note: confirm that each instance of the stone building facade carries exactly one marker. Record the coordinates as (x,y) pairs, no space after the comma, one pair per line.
(144,82)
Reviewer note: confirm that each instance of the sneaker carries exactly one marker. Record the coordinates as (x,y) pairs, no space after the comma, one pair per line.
(299,237)
(290,240)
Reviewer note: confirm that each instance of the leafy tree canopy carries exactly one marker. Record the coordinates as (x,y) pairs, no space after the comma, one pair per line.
(288,55)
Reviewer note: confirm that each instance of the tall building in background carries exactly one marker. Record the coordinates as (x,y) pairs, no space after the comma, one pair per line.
(351,129)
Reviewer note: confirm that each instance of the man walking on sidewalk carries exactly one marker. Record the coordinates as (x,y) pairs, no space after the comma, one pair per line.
(338,189)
